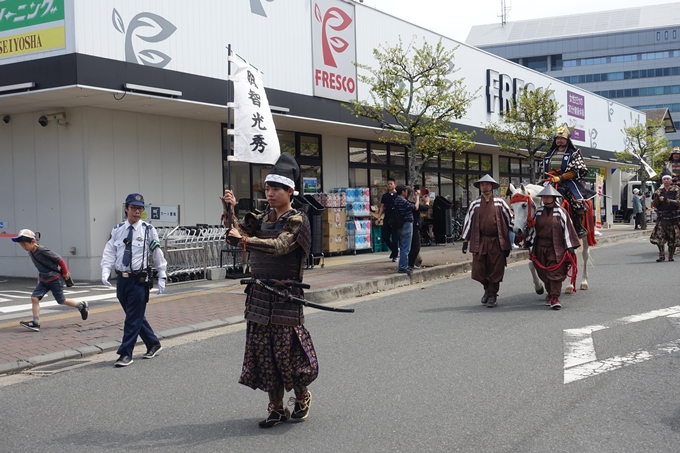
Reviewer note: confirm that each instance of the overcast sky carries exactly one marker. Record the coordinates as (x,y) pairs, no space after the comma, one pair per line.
(454,18)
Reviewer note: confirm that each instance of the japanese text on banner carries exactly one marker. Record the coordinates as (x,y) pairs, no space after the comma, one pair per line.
(255,138)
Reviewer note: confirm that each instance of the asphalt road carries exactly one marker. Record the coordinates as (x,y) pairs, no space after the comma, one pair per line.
(424,369)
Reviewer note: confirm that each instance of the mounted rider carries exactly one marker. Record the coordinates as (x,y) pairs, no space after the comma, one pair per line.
(570,169)
(672,167)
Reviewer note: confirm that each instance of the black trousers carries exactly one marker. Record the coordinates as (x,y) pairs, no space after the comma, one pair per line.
(638,219)
(390,239)
(415,246)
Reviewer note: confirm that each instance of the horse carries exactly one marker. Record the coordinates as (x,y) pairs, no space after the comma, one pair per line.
(523,203)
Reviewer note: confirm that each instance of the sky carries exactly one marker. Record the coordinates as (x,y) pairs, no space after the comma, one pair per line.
(454,18)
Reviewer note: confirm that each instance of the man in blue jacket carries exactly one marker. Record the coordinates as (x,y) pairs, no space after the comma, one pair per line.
(404,215)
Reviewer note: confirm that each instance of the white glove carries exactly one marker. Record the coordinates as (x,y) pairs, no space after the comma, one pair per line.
(105,277)
(161,285)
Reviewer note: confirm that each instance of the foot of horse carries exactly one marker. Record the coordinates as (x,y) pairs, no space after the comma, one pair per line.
(540,290)
(584,286)
(569,290)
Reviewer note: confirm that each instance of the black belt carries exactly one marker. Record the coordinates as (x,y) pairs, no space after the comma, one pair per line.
(126,274)
(489,235)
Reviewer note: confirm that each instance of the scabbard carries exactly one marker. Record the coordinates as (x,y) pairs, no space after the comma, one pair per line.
(296,300)
(306,303)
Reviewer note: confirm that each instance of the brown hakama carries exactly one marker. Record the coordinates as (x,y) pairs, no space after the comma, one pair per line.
(488,264)
(544,249)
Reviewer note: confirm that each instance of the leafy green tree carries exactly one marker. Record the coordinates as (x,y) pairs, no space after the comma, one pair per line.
(646,146)
(528,126)
(413,97)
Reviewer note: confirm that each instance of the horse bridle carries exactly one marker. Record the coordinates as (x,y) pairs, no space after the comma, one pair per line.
(522,198)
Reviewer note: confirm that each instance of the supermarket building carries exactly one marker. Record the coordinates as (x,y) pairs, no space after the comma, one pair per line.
(100,99)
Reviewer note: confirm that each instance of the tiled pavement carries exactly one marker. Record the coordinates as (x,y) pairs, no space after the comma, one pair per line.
(190,308)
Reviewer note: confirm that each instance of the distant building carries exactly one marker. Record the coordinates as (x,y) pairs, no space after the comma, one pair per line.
(630,55)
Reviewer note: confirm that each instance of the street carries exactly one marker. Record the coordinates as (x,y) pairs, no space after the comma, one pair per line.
(425,368)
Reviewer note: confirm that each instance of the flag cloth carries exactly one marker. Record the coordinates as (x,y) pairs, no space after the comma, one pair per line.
(255,138)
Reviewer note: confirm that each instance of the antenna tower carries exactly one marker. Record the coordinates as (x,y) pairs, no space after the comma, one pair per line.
(504,12)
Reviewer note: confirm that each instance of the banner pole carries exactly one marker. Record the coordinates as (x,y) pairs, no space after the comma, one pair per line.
(230,143)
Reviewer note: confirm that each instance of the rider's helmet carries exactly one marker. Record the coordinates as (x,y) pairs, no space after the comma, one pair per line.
(563,131)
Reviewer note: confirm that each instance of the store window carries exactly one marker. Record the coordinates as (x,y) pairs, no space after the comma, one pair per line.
(513,171)
(247,180)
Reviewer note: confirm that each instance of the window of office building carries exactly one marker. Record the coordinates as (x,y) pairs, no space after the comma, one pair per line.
(539,64)
(658,36)
(556,62)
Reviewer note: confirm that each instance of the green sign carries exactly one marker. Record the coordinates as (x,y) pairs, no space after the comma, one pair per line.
(593,172)
(15,14)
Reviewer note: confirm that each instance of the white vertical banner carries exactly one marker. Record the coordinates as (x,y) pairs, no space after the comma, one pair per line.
(255,138)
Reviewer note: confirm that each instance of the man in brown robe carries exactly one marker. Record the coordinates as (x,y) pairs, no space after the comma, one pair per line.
(486,228)
(552,236)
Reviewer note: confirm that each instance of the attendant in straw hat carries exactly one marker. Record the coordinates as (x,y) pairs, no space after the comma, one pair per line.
(486,229)
(552,236)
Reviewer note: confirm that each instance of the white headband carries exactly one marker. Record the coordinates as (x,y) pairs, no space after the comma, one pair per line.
(281,180)
(666,177)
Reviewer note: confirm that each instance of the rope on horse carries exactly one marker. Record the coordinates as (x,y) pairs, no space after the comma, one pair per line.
(573,268)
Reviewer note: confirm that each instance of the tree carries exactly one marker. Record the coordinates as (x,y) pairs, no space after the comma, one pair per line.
(644,142)
(413,98)
(528,126)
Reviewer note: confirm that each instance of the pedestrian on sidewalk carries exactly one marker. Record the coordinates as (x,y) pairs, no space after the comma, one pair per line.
(424,207)
(486,229)
(389,237)
(637,208)
(404,210)
(128,250)
(279,353)
(52,274)
(552,236)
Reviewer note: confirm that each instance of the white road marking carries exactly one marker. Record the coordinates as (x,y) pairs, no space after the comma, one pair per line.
(52,303)
(580,357)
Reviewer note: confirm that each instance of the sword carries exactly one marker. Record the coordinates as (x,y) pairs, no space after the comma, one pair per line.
(296,300)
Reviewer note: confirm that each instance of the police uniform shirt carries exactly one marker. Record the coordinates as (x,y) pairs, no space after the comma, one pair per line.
(115,248)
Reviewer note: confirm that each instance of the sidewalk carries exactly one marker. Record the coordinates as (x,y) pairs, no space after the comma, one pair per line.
(187,308)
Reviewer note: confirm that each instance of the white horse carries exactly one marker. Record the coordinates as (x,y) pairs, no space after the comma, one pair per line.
(521,210)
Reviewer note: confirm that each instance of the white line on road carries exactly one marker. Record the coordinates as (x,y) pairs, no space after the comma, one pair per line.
(580,357)
(52,303)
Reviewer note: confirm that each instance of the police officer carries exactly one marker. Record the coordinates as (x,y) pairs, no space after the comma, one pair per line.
(128,250)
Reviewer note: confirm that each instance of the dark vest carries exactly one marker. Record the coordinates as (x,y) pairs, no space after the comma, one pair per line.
(262,306)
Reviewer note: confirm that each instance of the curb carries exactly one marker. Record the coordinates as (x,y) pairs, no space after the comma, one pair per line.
(325,295)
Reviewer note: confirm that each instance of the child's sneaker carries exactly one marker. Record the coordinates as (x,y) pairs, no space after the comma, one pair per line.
(84,311)
(30,325)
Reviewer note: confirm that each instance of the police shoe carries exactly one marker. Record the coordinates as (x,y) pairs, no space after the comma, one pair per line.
(123,360)
(301,409)
(153,351)
(275,416)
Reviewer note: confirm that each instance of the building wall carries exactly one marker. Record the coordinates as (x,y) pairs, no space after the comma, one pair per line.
(69,182)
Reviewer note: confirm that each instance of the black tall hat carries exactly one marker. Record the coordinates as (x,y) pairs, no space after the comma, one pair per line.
(285,171)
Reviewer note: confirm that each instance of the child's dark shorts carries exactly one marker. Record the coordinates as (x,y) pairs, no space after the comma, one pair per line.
(57,288)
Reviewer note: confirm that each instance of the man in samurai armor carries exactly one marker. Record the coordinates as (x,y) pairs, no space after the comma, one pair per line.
(552,236)
(666,201)
(672,167)
(279,354)
(570,171)
(486,229)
